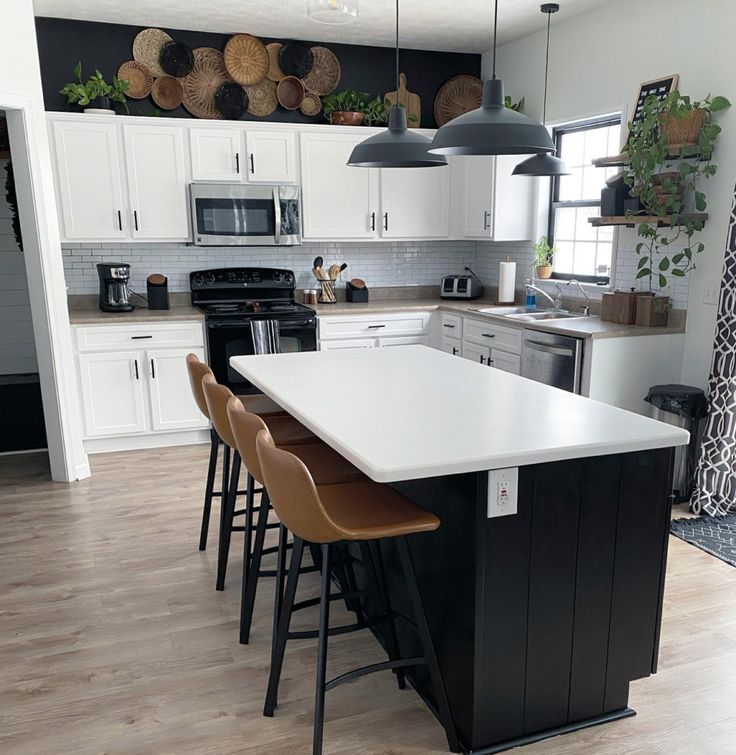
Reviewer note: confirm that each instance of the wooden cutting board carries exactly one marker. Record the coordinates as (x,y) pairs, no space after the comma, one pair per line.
(409,100)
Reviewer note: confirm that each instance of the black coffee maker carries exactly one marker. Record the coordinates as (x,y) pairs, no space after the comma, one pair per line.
(114,291)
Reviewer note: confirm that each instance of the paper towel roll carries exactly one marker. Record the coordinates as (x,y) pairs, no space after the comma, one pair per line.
(506,281)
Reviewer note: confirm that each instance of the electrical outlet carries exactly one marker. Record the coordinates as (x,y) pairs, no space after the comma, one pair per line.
(710,292)
(503,487)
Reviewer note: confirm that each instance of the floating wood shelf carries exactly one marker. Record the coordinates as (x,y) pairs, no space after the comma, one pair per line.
(635,220)
(618,161)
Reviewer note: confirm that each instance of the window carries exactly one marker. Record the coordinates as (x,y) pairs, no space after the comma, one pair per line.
(582,251)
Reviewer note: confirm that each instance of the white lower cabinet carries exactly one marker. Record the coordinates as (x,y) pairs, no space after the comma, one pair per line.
(476,352)
(138,397)
(112,393)
(451,346)
(502,360)
(369,332)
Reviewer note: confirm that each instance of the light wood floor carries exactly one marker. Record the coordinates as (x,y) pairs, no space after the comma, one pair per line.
(114,640)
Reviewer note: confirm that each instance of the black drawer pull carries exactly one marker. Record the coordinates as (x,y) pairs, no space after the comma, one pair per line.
(447,325)
(139,338)
(375,327)
(488,335)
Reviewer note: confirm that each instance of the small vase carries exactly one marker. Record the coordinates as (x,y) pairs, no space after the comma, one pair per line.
(346,118)
(100,106)
(544,272)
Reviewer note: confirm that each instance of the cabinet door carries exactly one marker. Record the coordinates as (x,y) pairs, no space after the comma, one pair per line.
(156,181)
(451,346)
(112,393)
(172,404)
(476,353)
(338,202)
(271,156)
(502,360)
(478,201)
(513,201)
(215,154)
(348,343)
(415,203)
(90,191)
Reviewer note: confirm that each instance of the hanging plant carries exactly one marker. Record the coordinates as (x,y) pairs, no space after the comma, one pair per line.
(12,199)
(670,151)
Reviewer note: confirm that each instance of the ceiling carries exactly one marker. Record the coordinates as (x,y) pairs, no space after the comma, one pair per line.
(451,25)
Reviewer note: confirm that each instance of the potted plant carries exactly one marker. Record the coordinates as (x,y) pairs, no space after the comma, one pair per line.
(669,154)
(543,254)
(95,95)
(346,108)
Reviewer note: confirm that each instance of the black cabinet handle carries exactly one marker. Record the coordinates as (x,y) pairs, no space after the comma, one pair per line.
(482,359)
(490,362)
(454,350)
(139,338)
(485,220)
(237,162)
(375,327)
(373,221)
(153,369)
(120,220)
(137,376)
(447,325)
(252,163)
(135,218)
(385,221)
(488,335)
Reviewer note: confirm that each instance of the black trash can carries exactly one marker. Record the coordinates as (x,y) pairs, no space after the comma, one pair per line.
(682,406)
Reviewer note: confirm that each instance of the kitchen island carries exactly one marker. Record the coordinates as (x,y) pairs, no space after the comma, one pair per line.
(544,597)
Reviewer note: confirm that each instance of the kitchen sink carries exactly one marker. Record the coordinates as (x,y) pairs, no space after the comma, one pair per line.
(501,311)
(536,316)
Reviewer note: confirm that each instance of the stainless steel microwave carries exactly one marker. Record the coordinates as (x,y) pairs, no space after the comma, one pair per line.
(245,215)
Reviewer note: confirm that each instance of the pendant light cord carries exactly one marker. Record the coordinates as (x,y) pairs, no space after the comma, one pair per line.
(546,72)
(495,29)
(397,50)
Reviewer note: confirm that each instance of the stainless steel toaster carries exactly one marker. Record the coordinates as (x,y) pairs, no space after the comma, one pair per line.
(461,286)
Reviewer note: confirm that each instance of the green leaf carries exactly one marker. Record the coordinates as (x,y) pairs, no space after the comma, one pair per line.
(678,272)
(662,281)
(719,103)
(643,273)
(643,261)
(700,203)
(677,258)
(664,264)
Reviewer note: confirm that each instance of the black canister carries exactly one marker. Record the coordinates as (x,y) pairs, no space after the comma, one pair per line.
(158,291)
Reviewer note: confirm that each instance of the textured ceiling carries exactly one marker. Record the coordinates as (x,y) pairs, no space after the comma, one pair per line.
(452,25)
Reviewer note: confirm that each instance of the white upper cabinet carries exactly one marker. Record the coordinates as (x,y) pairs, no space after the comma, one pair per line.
(338,202)
(271,156)
(88,180)
(491,203)
(157,190)
(216,154)
(415,202)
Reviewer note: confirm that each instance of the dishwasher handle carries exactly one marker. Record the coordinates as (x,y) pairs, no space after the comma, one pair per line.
(539,346)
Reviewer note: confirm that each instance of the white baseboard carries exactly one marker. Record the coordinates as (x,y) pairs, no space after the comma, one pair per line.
(149,440)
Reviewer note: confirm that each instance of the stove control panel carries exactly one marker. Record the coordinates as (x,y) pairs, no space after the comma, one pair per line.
(241,277)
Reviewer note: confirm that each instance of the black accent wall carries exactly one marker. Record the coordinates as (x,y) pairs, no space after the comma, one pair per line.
(62,42)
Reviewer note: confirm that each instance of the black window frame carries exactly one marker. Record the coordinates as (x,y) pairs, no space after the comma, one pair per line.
(554,192)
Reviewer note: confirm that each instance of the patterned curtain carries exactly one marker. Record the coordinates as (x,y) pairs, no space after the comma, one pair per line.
(715,481)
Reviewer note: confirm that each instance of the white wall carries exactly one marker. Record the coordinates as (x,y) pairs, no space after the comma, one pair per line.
(17,347)
(21,97)
(598,59)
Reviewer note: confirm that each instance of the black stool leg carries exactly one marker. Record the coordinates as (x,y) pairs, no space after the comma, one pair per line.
(443,705)
(250,584)
(324,626)
(279,583)
(377,580)
(226,530)
(279,646)
(250,487)
(209,488)
(223,497)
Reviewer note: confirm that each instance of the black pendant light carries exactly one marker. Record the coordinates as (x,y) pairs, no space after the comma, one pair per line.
(492,129)
(544,164)
(397,146)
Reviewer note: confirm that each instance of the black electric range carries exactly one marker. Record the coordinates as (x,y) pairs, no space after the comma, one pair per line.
(231,298)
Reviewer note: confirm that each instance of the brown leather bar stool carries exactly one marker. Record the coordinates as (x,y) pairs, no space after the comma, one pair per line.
(258,403)
(325,465)
(329,514)
(216,397)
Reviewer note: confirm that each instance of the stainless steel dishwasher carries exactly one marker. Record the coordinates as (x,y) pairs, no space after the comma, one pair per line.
(552,359)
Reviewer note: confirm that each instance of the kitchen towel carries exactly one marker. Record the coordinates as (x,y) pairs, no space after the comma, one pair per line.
(506,282)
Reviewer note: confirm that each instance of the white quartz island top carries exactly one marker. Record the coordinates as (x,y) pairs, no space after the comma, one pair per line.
(410,412)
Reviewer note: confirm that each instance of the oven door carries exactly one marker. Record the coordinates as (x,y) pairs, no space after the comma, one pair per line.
(227,339)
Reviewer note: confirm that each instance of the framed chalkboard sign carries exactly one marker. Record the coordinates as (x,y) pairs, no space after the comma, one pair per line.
(658,88)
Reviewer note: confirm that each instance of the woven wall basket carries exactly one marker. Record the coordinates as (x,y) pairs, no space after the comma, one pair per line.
(202,83)
(147,49)
(246,59)
(459,95)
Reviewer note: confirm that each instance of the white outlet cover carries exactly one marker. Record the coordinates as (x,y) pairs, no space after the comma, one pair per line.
(506,480)
(711,292)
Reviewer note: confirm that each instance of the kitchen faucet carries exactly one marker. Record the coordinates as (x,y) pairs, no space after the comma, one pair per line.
(586,308)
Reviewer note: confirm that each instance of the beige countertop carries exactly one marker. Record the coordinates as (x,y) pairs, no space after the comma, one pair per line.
(84,310)
(578,327)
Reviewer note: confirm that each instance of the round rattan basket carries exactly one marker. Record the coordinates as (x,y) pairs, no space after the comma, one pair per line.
(459,95)
(139,78)
(274,69)
(167,92)
(147,49)
(311,104)
(202,83)
(325,74)
(262,99)
(246,59)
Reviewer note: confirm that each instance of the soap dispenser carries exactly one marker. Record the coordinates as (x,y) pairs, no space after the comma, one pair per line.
(531,296)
